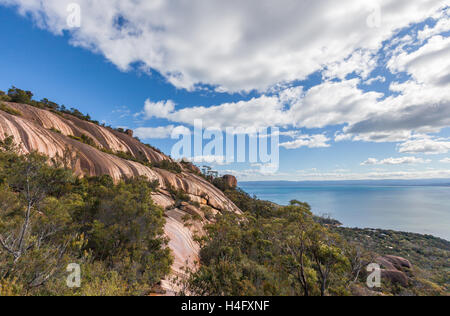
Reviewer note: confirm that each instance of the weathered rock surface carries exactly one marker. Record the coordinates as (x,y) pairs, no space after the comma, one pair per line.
(395,269)
(49,133)
(230,181)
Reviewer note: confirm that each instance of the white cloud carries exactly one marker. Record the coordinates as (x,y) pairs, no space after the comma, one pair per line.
(442,25)
(430,64)
(375,79)
(310,141)
(337,175)
(419,105)
(230,44)
(425,145)
(378,175)
(162,132)
(330,103)
(360,62)
(395,161)
(158,109)
(218,160)
(445,160)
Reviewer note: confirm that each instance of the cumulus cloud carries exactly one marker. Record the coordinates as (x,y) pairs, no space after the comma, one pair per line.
(395,161)
(338,175)
(229,44)
(380,175)
(420,104)
(425,145)
(158,109)
(429,64)
(310,141)
(330,103)
(211,159)
(442,25)
(445,160)
(375,79)
(162,132)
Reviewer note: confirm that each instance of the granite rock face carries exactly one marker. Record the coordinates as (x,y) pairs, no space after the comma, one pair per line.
(230,181)
(395,269)
(53,134)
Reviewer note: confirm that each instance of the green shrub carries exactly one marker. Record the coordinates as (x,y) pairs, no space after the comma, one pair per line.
(9,110)
(55,130)
(20,96)
(114,231)
(168,165)
(84,139)
(4,97)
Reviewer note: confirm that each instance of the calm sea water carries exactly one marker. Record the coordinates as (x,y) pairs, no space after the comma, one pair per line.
(418,209)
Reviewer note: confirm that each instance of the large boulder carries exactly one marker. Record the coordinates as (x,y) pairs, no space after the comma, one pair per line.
(395,269)
(399,262)
(395,277)
(230,181)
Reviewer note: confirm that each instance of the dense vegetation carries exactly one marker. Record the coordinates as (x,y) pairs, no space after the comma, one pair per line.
(17,95)
(49,219)
(9,110)
(168,165)
(429,255)
(270,251)
(273,250)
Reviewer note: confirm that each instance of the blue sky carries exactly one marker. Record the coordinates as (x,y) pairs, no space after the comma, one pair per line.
(366,97)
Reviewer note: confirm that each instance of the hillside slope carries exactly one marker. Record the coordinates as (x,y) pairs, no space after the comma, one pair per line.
(55,134)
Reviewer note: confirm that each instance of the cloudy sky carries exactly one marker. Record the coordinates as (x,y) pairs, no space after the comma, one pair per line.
(358,90)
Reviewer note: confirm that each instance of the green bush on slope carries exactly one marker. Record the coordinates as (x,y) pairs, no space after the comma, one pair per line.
(9,110)
(49,218)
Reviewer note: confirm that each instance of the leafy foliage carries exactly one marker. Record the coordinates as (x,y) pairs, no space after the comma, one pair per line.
(429,255)
(280,251)
(9,110)
(17,95)
(168,165)
(49,218)
(85,140)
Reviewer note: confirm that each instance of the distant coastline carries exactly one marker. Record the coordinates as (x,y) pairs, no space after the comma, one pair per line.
(416,206)
(418,182)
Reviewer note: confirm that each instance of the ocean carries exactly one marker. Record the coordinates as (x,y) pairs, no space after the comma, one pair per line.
(417,209)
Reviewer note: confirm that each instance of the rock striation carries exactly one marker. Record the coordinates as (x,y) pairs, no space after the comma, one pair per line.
(55,134)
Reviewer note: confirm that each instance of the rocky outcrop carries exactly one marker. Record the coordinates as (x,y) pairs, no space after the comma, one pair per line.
(129,132)
(53,134)
(395,269)
(230,181)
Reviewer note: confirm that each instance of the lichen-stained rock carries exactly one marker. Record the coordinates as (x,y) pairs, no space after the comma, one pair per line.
(49,133)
